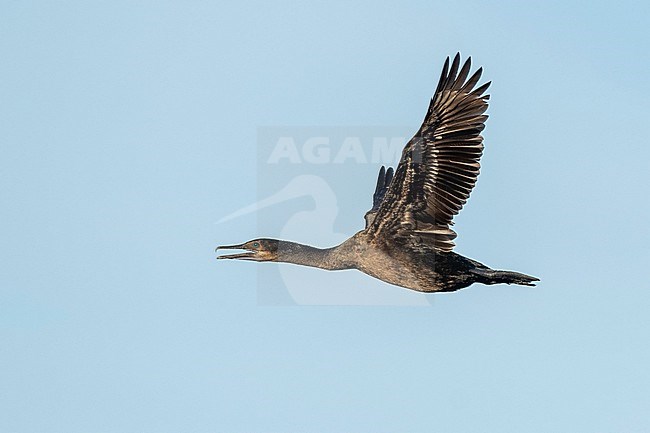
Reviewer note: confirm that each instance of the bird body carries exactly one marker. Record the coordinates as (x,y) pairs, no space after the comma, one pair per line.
(408,240)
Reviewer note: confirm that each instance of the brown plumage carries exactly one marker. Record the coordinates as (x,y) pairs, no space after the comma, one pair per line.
(408,239)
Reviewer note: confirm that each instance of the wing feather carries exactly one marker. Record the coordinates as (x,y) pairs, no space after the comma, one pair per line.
(383,181)
(439,165)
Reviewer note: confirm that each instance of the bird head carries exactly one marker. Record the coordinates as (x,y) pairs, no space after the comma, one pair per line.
(258,250)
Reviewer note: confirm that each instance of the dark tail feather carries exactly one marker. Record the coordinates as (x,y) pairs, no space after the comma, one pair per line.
(490,276)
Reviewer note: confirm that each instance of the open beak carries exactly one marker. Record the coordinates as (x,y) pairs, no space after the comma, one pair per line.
(248,255)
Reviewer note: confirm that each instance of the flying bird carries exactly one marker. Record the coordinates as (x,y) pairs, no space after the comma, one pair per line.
(408,240)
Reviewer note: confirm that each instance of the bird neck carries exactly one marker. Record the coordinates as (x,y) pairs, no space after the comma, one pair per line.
(334,258)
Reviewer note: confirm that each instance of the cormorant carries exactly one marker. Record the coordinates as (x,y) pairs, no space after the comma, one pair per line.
(407,240)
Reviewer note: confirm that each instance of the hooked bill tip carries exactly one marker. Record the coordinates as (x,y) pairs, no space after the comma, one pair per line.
(229,247)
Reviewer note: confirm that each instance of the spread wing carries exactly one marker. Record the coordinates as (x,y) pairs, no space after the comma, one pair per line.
(383,181)
(439,165)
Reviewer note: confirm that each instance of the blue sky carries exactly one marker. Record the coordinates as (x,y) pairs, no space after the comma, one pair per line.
(130,128)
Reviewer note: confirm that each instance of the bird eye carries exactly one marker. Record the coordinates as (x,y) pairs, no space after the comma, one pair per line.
(256,244)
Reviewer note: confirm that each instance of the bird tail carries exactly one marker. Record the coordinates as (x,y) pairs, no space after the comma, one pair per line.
(490,276)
